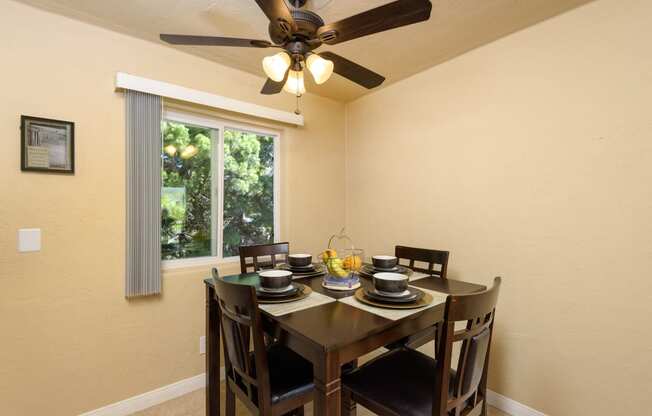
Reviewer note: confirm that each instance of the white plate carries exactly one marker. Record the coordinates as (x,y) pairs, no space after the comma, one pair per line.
(392,294)
(301,268)
(281,290)
(381,269)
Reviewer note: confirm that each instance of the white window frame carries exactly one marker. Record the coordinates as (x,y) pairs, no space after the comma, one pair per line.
(218,126)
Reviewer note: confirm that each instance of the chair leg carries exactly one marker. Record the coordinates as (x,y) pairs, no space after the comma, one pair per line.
(348,406)
(230,401)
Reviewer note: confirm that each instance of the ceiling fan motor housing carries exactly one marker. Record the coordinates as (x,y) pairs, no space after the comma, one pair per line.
(307,23)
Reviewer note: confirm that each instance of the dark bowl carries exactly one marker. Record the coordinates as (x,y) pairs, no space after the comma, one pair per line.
(275,279)
(384,262)
(300,260)
(390,282)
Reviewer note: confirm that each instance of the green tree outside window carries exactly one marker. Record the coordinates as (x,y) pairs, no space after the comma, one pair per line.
(248,190)
(186,196)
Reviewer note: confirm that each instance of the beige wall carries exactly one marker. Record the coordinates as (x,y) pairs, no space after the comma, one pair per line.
(69,341)
(530,158)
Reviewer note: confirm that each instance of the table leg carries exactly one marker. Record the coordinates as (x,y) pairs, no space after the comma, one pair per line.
(349,407)
(327,385)
(212,354)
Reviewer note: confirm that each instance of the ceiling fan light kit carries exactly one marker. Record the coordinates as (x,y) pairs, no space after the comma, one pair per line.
(299,32)
(275,66)
(295,85)
(320,68)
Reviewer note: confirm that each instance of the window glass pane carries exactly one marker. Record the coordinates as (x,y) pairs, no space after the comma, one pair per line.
(248,190)
(186,197)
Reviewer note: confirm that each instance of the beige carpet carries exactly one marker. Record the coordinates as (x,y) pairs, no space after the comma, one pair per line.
(193,405)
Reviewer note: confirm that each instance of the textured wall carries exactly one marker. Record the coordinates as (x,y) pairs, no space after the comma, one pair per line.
(530,158)
(70,341)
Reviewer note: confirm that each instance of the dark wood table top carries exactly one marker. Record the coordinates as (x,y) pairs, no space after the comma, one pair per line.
(337,324)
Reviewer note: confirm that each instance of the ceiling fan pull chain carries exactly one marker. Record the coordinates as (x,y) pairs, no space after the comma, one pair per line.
(297,111)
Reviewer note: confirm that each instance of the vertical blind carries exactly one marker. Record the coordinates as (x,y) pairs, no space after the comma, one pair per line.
(143,118)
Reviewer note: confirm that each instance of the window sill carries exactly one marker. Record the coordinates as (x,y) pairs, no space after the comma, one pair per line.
(200,262)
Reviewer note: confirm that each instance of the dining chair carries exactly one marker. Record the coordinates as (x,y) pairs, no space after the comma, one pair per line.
(405,382)
(262,250)
(271,380)
(431,258)
(424,255)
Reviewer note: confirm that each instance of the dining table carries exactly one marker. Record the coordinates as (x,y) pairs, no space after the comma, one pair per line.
(329,335)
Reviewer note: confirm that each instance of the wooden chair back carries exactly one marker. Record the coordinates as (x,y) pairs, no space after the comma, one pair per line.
(250,256)
(462,393)
(431,257)
(241,326)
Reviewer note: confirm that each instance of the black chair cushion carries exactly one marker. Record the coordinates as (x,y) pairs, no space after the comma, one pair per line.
(289,373)
(402,381)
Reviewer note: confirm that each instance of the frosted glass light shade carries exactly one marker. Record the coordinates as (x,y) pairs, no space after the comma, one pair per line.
(320,68)
(276,65)
(294,84)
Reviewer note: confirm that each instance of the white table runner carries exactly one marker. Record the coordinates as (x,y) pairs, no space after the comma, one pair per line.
(396,314)
(279,309)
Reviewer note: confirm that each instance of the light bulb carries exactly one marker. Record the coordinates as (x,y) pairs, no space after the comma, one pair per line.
(294,84)
(320,68)
(275,66)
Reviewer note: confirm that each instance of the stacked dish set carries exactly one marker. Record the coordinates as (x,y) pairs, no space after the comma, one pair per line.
(276,286)
(390,288)
(301,265)
(383,264)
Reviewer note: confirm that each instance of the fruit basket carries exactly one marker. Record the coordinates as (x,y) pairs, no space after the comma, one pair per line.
(343,261)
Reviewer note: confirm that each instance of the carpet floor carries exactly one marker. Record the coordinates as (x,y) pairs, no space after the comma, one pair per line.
(193,404)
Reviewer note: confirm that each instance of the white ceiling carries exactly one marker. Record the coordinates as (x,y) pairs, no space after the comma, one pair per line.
(455,27)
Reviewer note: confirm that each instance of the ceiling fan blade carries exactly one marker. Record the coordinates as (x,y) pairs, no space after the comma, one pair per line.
(356,73)
(277,11)
(272,87)
(392,15)
(214,41)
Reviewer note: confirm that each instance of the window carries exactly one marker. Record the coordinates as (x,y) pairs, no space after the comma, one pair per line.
(219,187)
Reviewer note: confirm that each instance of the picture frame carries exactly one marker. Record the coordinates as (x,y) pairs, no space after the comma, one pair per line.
(47,145)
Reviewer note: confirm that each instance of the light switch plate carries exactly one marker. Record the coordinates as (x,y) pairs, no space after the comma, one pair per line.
(29,239)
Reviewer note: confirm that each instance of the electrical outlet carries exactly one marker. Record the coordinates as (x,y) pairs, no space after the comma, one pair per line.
(202,345)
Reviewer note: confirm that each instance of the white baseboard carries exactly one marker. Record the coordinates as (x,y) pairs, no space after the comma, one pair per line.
(152,398)
(172,391)
(510,406)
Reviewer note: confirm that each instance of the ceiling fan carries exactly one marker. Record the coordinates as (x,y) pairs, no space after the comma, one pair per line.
(299,32)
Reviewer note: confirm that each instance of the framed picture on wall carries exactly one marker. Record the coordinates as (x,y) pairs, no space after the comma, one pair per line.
(47,145)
